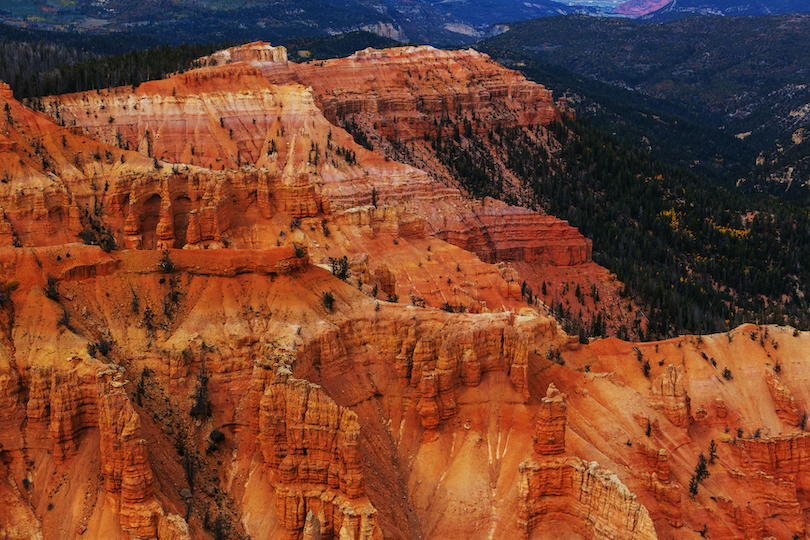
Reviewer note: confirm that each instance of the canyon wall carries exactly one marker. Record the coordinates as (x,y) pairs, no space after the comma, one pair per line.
(252,107)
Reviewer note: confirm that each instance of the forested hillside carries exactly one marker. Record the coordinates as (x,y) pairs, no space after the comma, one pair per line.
(744,75)
(700,256)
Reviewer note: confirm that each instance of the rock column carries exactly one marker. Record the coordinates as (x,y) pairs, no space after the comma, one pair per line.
(549,432)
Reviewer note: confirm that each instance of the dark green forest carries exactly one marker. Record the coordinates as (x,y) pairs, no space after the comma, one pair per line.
(699,256)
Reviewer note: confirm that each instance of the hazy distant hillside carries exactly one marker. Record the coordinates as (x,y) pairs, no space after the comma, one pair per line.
(746,76)
(683,8)
(182,21)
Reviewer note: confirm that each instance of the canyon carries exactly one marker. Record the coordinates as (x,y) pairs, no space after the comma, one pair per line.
(222,317)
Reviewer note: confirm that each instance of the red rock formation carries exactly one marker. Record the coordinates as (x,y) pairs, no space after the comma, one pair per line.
(310,171)
(72,409)
(768,497)
(782,399)
(125,464)
(783,457)
(720,408)
(744,517)
(258,51)
(516,234)
(400,420)
(416,85)
(549,434)
(668,496)
(311,446)
(571,489)
(669,396)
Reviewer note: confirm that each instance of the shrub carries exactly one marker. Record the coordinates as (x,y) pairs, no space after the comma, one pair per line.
(701,473)
(51,289)
(299,250)
(217,436)
(104,347)
(166,264)
(328,300)
(340,267)
(5,297)
(712,452)
(202,404)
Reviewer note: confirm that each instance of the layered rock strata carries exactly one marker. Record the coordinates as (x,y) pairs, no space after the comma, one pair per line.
(199,118)
(128,476)
(310,445)
(579,493)
(549,435)
(783,400)
(669,395)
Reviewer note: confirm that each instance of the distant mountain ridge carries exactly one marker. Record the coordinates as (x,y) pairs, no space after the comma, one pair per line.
(663,9)
(437,22)
(182,21)
(635,8)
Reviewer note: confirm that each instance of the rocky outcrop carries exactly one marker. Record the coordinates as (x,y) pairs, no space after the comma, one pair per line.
(436,364)
(779,456)
(258,51)
(657,460)
(549,433)
(669,396)
(593,497)
(720,408)
(311,166)
(667,493)
(668,496)
(552,487)
(73,409)
(783,400)
(744,517)
(128,476)
(310,445)
(768,498)
(414,85)
(498,232)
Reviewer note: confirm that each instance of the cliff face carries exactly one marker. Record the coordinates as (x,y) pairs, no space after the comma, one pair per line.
(251,107)
(722,399)
(405,89)
(77,409)
(366,422)
(669,396)
(311,448)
